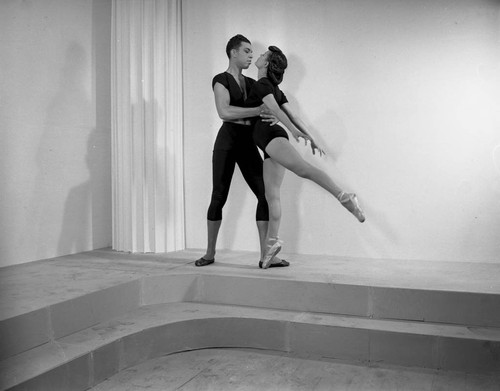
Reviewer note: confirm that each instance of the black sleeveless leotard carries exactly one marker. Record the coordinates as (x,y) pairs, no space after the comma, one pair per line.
(263,132)
(229,136)
(234,145)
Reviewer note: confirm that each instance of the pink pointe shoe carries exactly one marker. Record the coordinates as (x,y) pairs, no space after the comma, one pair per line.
(272,251)
(350,202)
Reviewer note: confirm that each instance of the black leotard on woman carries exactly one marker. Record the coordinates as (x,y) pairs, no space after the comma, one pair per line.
(234,145)
(263,132)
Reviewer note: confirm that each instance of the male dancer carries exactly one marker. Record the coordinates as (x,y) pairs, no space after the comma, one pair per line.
(234,145)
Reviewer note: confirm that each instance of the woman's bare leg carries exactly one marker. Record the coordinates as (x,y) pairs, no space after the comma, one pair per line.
(283,153)
(273,178)
(262,227)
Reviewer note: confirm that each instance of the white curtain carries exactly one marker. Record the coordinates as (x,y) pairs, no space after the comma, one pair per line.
(147,151)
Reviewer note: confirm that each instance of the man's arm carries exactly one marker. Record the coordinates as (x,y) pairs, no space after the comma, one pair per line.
(226,111)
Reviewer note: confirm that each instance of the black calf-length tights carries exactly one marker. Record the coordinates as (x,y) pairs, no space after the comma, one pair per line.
(246,156)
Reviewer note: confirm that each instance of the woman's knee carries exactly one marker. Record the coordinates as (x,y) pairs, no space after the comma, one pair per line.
(302,169)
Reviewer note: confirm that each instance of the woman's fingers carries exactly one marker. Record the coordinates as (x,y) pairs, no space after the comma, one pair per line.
(313,145)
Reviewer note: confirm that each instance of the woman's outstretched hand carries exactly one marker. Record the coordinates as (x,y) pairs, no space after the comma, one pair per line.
(314,147)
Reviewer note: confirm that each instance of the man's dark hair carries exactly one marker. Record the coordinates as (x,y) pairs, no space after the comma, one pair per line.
(235,43)
(277,65)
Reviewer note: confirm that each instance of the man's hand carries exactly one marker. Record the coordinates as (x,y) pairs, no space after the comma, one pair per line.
(267,115)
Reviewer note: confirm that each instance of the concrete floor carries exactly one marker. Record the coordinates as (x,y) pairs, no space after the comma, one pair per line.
(236,370)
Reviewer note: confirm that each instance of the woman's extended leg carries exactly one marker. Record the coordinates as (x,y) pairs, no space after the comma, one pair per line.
(282,152)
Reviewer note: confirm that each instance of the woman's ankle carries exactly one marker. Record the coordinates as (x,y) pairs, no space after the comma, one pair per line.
(272,239)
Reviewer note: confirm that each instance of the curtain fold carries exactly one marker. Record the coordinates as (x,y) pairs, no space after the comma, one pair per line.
(147,128)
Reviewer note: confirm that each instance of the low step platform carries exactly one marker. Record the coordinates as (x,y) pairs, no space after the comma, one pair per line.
(104,311)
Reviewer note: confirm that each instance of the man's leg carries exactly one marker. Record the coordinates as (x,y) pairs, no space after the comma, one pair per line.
(213,232)
(223,164)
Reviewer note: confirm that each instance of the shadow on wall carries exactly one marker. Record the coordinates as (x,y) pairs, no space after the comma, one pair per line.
(86,219)
(59,154)
(65,218)
(330,134)
(82,211)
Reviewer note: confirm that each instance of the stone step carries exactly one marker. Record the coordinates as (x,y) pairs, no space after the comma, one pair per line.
(87,357)
(319,294)
(27,330)
(314,294)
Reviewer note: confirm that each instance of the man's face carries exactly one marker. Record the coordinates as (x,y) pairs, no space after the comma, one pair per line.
(243,55)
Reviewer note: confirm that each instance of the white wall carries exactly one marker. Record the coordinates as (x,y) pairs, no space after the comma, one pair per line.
(55,173)
(404,96)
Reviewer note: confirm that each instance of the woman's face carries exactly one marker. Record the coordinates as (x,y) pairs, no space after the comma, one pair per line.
(262,60)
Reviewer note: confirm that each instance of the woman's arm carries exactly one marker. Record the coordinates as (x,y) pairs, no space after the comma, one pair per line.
(293,123)
(300,125)
(226,111)
(294,118)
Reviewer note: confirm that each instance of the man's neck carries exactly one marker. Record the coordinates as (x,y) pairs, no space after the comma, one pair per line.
(234,70)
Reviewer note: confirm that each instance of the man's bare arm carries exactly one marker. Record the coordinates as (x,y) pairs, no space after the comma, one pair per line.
(226,111)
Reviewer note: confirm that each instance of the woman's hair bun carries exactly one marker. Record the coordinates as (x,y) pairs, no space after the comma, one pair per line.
(277,65)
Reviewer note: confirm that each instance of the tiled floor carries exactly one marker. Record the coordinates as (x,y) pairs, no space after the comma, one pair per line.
(236,370)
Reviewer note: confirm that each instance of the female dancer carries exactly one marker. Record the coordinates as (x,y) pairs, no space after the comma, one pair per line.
(279,153)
